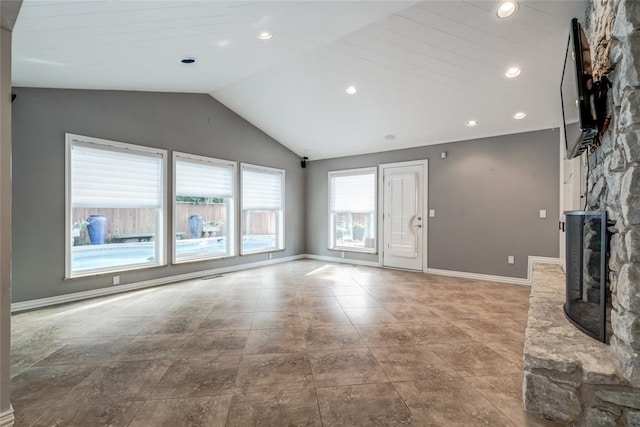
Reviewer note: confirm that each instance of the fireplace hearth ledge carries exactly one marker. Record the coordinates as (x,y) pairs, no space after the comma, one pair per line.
(568,376)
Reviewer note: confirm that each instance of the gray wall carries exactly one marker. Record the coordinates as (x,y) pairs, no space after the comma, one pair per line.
(191,123)
(487,192)
(487,195)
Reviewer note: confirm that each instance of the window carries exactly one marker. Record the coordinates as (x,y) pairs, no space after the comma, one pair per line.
(203,210)
(262,209)
(352,210)
(115,206)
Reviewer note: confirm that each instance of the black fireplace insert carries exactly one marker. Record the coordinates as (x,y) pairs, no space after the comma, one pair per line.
(586,293)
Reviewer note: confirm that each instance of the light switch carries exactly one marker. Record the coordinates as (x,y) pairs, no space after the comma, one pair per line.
(432,213)
(543,213)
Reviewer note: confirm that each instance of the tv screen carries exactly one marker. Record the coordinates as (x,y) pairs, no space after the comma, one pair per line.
(576,94)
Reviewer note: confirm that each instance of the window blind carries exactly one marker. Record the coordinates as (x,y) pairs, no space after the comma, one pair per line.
(115,178)
(198,179)
(261,189)
(353,193)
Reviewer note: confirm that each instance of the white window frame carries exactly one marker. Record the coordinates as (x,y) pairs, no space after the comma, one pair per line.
(280,224)
(231,217)
(332,237)
(160,247)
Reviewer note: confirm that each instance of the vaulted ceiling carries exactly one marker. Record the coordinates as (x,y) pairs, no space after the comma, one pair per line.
(421,69)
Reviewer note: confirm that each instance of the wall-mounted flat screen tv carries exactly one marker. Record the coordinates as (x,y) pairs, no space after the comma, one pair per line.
(576,93)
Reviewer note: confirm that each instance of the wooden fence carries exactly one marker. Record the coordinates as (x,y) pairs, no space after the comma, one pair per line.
(214,212)
(133,221)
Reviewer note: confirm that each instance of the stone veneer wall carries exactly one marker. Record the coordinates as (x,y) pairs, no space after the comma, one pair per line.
(613,29)
(569,377)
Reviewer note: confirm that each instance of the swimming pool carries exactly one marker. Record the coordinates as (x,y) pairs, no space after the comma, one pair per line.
(113,255)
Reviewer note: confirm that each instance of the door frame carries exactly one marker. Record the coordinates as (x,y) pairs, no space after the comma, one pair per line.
(425,208)
(572,190)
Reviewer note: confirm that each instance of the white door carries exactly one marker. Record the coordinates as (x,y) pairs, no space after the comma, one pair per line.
(402,215)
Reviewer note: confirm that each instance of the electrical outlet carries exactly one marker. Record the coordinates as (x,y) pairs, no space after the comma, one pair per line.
(342,254)
(543,213)
(432,213)
(270,256)
(511,259)
(116,280)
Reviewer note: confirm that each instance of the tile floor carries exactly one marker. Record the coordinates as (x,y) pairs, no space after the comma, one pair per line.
(302,343)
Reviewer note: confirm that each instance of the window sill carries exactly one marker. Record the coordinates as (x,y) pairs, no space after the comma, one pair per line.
(266,251)
(190,260)
(348,249)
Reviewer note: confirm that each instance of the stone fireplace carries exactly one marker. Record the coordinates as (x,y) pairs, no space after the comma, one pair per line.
(568,376)
(613,27)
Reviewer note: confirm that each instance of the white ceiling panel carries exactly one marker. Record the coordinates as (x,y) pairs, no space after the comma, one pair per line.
(137,45)
(421,73)
(421,69)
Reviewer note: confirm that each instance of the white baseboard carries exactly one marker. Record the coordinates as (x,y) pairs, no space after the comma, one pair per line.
(540,260)
(502,279)
(479,276)
(7,418)
(77,296)
(342,260)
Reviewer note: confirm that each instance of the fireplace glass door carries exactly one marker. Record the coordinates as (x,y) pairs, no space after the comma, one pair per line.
(586,296)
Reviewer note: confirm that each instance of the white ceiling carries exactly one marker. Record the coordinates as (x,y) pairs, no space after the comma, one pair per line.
(421,68)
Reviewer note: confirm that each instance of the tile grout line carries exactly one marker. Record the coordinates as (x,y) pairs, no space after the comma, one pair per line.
(493,404)
(65,395)
(315,391)
(382,369)
(388,378)
(379,365)
(341,349)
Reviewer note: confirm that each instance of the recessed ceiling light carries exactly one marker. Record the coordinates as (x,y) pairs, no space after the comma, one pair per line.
(265,35)
(188,60)
(390,137)
(471,123)
(512,72)
(507,9)
(351,90)
(519,115)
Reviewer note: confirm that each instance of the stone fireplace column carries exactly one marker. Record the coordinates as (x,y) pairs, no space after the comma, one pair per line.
(614,168)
